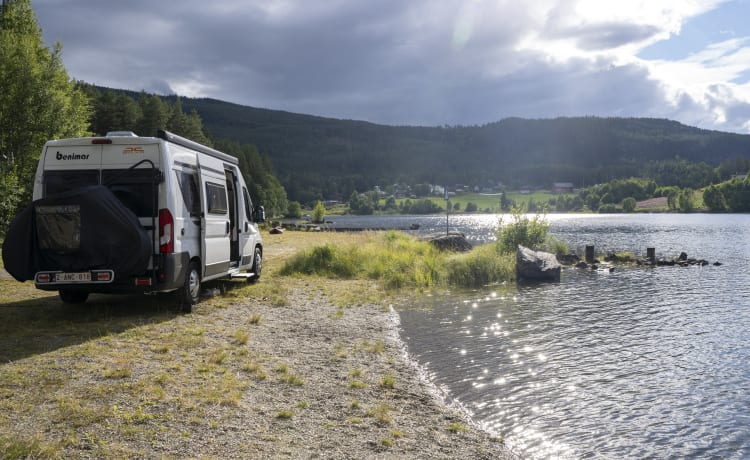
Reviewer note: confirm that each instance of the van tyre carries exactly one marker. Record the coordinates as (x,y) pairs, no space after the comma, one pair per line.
(188,294)
(68,296)
(257,265)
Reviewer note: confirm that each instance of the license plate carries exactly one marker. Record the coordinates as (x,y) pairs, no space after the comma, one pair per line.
(83,277)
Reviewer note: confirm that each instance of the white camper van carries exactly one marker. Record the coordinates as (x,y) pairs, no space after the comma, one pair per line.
(123,213)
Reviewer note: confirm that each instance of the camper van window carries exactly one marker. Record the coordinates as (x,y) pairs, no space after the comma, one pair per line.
(64,181)
(134,188)
(189,187)
(216,198)
(248,205)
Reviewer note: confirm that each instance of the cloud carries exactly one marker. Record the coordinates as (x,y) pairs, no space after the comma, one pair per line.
(417,62)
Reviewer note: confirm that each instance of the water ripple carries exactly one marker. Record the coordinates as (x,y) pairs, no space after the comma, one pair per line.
(631,364)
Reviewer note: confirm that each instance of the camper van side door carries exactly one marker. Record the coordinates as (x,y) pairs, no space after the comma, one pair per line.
(249,235)
(215,247)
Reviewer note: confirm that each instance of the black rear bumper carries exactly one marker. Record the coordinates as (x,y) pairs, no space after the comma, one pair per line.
(168,276)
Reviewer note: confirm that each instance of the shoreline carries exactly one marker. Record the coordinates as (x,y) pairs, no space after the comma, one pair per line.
(279,369)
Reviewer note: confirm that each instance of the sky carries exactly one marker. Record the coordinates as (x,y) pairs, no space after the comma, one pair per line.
(422,62)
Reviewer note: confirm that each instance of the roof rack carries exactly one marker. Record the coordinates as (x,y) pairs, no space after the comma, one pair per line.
(175,139)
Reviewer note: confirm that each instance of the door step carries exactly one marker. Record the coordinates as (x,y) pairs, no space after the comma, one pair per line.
(242,275)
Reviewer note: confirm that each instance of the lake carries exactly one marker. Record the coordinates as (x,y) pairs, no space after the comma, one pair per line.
(637,363)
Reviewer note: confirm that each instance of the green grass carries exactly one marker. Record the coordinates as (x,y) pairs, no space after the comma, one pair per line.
(457,427)
(398,260)
(489,202)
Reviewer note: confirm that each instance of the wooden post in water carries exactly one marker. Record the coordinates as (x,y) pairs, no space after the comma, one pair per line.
(589,255)
(651,255)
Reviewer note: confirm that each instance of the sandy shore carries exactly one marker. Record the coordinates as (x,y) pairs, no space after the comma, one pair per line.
(286,368)
(360,397)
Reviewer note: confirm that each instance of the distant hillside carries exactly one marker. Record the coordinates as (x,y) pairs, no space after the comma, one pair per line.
(329,156)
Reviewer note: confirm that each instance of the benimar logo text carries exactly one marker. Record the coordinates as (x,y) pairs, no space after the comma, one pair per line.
(72,156)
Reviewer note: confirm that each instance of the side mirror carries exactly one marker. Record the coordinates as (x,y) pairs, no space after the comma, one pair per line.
(259,214)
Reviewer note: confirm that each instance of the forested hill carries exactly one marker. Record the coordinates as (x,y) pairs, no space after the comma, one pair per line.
(316,155)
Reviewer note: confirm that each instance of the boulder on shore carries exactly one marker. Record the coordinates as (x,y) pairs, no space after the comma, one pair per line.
(451,242)
(536,265)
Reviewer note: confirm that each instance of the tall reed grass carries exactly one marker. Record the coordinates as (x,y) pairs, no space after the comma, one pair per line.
(399,260)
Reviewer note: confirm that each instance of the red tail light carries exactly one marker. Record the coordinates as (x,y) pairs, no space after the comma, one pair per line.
(166,232)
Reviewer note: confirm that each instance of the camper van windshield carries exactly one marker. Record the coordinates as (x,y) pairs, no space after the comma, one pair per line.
(135,188)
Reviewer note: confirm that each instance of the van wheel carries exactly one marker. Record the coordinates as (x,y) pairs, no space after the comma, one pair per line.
(188,294)
(257,265)
(69,296)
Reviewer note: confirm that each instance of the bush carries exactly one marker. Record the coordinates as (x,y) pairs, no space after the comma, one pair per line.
(529,232)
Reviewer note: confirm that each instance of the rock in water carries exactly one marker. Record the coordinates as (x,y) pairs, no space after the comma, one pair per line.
(451,242)
(536,265)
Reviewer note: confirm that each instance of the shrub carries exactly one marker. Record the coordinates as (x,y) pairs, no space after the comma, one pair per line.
(319,213)
(527,231)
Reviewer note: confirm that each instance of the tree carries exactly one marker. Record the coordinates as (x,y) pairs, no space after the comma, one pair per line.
(155,115)
(714,199)
(257,170)
(38,101)
(294,210)
(629,204)
(319,213)
(686,200)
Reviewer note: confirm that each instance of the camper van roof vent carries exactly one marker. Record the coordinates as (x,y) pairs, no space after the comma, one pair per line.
(121,134)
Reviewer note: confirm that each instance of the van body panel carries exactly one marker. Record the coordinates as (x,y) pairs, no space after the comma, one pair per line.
(190,199)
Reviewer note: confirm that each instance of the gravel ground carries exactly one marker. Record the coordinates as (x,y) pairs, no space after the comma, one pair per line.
(339,419)
(311,379)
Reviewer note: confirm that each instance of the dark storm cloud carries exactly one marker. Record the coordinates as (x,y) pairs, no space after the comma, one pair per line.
(395,62)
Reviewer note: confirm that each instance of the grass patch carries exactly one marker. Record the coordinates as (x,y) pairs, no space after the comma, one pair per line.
(240,336)
(26,447)
(376,347)
(285,414)
(457,427)
(381,413)
(398,260)
(388,381)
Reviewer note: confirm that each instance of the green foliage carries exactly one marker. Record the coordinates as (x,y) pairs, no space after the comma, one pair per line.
(629,204)
(326,260)
(362,203)
(294,210)
(399,260)
(38,101)
(482,266)
(318,213)
(423,206)
(263,185)
(119,111)
(714,199)
(736,194)
(526,231)
(686,200)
